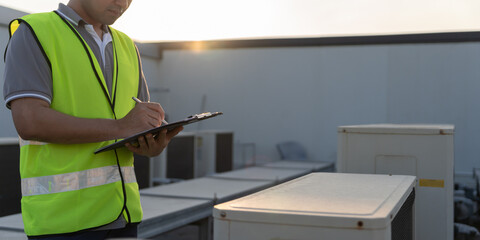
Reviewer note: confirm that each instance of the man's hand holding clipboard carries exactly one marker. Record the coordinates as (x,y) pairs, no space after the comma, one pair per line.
(172,128)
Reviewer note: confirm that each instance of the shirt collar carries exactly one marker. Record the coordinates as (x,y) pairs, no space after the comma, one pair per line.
(70,15)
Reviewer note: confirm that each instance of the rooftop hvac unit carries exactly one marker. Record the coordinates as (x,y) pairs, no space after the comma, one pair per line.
(424,151)
(218,149)
(327,206)
(184,158)
(143,171)
(197,154)
(10,192)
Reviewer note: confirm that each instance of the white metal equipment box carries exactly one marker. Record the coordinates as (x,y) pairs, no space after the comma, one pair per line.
(217,150)
(424,151)
(198,154)
(327,206)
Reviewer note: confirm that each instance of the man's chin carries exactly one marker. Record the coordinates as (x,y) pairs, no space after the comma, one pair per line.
(110,21)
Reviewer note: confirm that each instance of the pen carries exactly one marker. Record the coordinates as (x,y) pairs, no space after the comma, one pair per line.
(139,101)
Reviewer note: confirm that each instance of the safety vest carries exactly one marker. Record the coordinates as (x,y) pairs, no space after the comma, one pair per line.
(66,187)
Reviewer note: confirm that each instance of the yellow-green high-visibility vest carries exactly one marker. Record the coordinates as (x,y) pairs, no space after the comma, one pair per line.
(66,187)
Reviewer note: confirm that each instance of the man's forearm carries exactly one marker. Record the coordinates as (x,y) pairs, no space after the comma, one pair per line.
(35,120)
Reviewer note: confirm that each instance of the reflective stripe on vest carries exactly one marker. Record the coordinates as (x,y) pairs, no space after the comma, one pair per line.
(76,180)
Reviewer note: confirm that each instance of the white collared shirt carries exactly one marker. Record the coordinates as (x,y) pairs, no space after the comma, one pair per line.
(102,43)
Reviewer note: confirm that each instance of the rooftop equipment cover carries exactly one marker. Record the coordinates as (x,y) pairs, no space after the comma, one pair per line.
(317,203)
(386,128)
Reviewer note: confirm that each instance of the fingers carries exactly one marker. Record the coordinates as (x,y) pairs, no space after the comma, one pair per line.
(155,113)
(152,146)
(148,114)
(161,111)
(150,141)
(172,133)
(153,122)
(146,146)
(131,148)
(143,116)
(156,110)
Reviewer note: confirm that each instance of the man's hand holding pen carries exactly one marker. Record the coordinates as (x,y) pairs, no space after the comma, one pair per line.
(139,101)
(144,116)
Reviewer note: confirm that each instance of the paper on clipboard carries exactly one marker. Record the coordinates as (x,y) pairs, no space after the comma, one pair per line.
(154,131)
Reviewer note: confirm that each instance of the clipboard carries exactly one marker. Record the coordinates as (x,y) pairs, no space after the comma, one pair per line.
(154,131)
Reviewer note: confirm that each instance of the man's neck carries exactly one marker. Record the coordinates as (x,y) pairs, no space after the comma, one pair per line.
(98,30)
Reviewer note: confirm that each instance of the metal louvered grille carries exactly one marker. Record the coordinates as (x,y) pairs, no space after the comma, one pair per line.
(402,224)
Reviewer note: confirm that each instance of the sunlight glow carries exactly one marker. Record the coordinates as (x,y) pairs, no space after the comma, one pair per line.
(198,46)
(193,20)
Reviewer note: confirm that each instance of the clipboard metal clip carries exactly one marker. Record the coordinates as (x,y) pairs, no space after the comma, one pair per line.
(201,115)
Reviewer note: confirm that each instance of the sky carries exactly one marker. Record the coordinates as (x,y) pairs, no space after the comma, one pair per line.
(194,20)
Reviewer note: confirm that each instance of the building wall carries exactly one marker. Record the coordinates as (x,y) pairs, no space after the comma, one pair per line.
(270,95)
(439,83)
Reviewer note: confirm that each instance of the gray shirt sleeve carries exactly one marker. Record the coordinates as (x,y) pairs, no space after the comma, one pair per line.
(27,73)
(143,93)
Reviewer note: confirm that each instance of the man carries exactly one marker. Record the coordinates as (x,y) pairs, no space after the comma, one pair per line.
(69,81)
